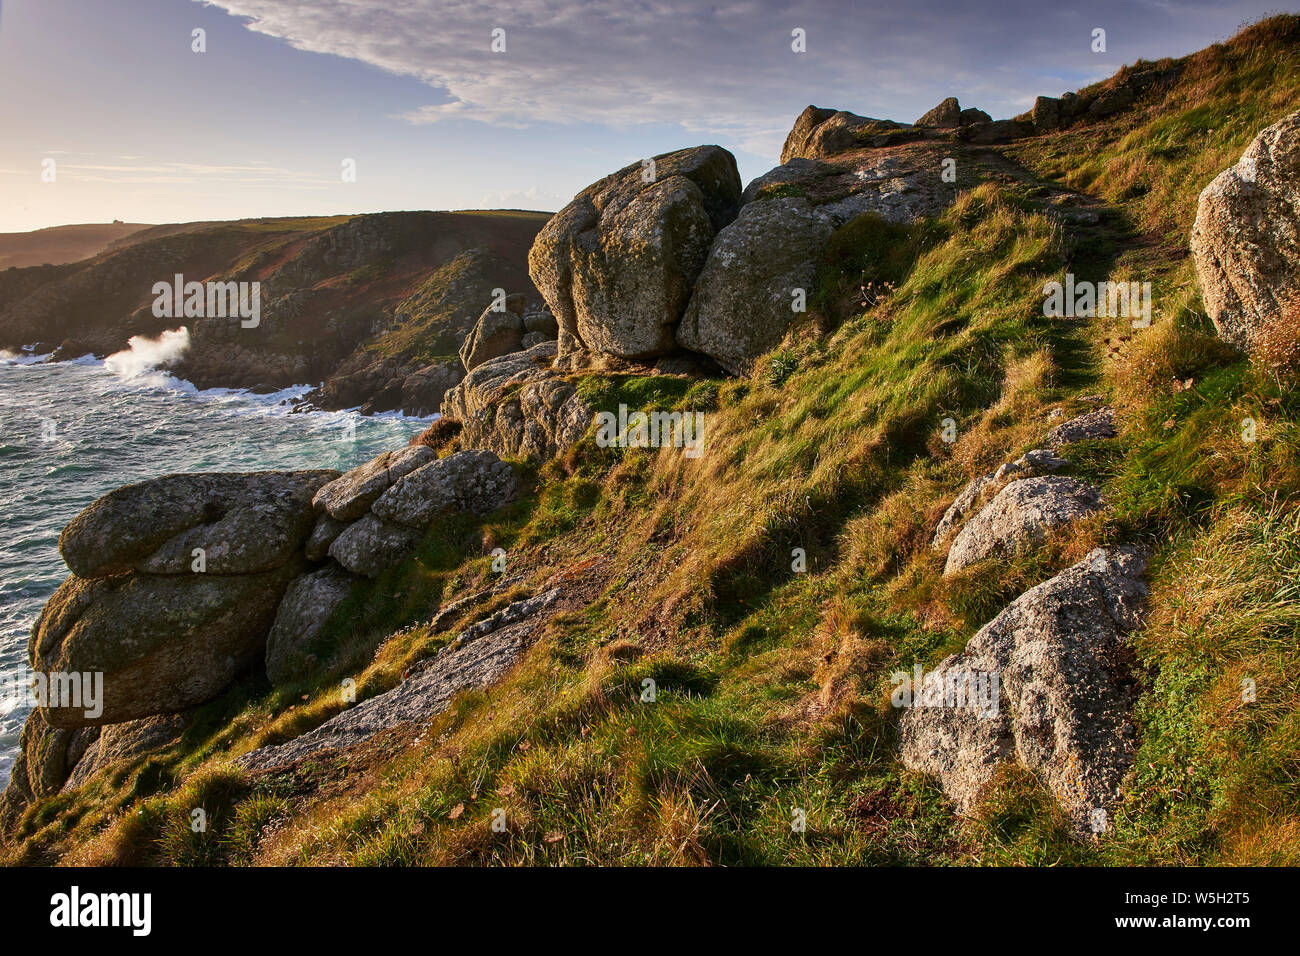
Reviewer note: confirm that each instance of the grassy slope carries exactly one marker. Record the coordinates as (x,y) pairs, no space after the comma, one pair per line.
(773,685)
(59,244)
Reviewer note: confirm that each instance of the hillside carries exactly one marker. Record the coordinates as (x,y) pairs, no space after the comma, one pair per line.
(362,302)
(62,244)
(565,650)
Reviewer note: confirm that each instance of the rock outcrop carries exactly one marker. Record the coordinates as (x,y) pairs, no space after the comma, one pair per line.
(243,524)
(1020,517)
(1246,240)
(947,115)
(478,657)
(745,297)
(307,604)
(616,265)
(1037,462)
(519,407)
(350,496)
(821,133)
(1064,693)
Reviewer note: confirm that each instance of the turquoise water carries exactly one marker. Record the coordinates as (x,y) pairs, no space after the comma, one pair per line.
(72,431)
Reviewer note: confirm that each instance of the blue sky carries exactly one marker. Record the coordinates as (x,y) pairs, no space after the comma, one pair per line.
(141,128)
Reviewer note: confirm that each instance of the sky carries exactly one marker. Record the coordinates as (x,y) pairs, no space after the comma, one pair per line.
(107,110)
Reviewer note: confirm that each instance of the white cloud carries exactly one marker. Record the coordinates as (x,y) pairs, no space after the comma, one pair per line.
(720,70)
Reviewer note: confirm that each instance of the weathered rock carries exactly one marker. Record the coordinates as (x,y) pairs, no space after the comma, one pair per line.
(423,389)
(841,132)
(1065,693)
(796,141)
(1019,517)
(997,131)
(541,322)
(743,301)
(497,333)
(971,116)
(162,642)
(475,660)
(244,523)
(369,545)
(518,407)
(322,536)
(1037,462)
(46,755)
(124,741)
(350,496)
(1046,114)
(1246,240)
(307,604)
(946,115)
(1091,426)
(474,481)
(616,265)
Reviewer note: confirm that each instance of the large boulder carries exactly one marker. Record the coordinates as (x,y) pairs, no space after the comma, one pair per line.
(498,332)
(1246,240)
(162,642)
(307,604)
(745,298)
(616,265)
(820,133)
(519,407)
(1020,517)
(744,301)
(475,481)
(244,524)
(946,115)
(1064,693)
(350,496)
(369,546)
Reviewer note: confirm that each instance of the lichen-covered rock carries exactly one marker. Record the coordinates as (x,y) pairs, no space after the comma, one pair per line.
(820,133)
(1091,426)
(478,657)
(947,114)
(369,546)
(350,496)
(1064,693)
(475,481)
(745,299)
(162,642)
(519,407)
(46,755)
(1246,240)
(997,131)
(124,741)
(243,524)
(307,604)
(1037,462)
(497,333)
(322,536)
(1019,517)
(616,265)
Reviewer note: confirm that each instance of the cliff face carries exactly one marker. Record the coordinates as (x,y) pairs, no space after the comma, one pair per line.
(367,300)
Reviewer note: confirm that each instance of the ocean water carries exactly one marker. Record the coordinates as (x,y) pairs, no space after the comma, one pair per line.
(73,431)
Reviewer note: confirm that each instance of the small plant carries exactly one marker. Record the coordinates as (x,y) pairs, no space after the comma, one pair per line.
(781,366)
(1277,347)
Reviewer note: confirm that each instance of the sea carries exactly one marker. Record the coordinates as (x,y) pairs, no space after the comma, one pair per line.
(72,431)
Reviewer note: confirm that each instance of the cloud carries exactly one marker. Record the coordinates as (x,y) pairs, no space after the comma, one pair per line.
(725,70)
